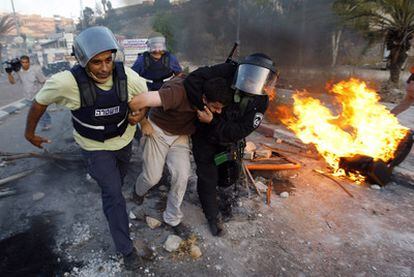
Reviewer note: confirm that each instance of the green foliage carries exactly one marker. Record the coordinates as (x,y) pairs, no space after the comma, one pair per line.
(6,24)
(164,23)
(390,20)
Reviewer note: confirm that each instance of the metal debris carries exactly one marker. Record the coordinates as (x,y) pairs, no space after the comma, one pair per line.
(15,177)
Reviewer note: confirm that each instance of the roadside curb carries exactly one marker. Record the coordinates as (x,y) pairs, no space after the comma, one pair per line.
(11,108)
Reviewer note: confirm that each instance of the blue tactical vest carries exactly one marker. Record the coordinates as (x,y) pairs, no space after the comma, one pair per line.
(156,72)
(103,114)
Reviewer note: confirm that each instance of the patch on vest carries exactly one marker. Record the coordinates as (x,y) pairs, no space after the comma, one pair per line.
(258,117)
(106,112)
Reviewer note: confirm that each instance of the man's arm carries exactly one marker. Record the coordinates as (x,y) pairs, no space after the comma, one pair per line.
(175,65)
(35,113)
(145,100)
(11,78)
(407,101)
(40,76)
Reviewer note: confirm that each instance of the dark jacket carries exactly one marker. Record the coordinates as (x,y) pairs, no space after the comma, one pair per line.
(236,122)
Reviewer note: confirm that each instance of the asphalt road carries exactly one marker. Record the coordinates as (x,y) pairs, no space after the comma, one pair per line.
(9,93)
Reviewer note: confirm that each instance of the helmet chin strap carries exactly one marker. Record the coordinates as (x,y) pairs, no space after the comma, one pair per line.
(96,79)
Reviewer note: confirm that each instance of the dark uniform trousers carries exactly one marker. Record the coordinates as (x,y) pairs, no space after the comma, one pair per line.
(109,168)
(209,176)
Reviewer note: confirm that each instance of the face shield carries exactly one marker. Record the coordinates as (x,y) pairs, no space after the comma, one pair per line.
(157,44)
(254,79)
(93,41)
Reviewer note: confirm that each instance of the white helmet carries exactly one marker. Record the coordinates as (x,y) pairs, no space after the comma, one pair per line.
(156,42)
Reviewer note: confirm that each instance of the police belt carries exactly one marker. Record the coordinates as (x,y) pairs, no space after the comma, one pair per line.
(234,153)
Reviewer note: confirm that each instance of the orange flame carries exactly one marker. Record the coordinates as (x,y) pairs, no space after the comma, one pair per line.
(361,125)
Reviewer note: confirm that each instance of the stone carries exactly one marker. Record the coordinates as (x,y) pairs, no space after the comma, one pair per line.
(38,195)
(88,177)
(152,222)
(376,187)
(248,155)
(284,194)
(172,243)
(260,186)
(195,252)
(132,215)
(250,147)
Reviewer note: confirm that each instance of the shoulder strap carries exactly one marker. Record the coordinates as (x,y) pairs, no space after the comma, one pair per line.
(85,85)
(120,81)
(147,61)
(165,59)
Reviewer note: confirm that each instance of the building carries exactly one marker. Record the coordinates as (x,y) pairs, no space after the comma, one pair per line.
(36,26)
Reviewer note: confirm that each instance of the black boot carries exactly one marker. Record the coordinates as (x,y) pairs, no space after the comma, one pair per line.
(226,199)
(216,227)
(132,261)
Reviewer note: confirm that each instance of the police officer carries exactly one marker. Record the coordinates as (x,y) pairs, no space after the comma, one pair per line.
(98,91)
(157,65)
(218,146)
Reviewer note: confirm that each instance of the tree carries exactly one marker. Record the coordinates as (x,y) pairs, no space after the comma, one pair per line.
(390,20)
(6,25)
(88,16)
(104,5)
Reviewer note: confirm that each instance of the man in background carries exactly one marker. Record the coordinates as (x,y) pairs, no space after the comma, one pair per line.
(32,80)
(156,66)
(408,99)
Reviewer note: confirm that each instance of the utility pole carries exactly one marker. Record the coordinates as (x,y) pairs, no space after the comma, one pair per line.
(238,27)
(81,14)
(17,26)
(16,22)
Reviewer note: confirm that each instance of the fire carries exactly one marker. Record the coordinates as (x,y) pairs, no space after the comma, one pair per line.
(360,125)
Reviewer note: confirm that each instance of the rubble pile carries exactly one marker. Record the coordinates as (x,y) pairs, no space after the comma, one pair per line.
(81,233)
(97,267)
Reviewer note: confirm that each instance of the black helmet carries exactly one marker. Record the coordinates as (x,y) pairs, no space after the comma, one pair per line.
(255,73)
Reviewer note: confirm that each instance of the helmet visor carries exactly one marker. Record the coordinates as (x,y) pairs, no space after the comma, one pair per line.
(254,79)
(157,44)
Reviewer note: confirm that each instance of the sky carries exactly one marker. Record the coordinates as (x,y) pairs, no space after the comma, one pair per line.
(66,8)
